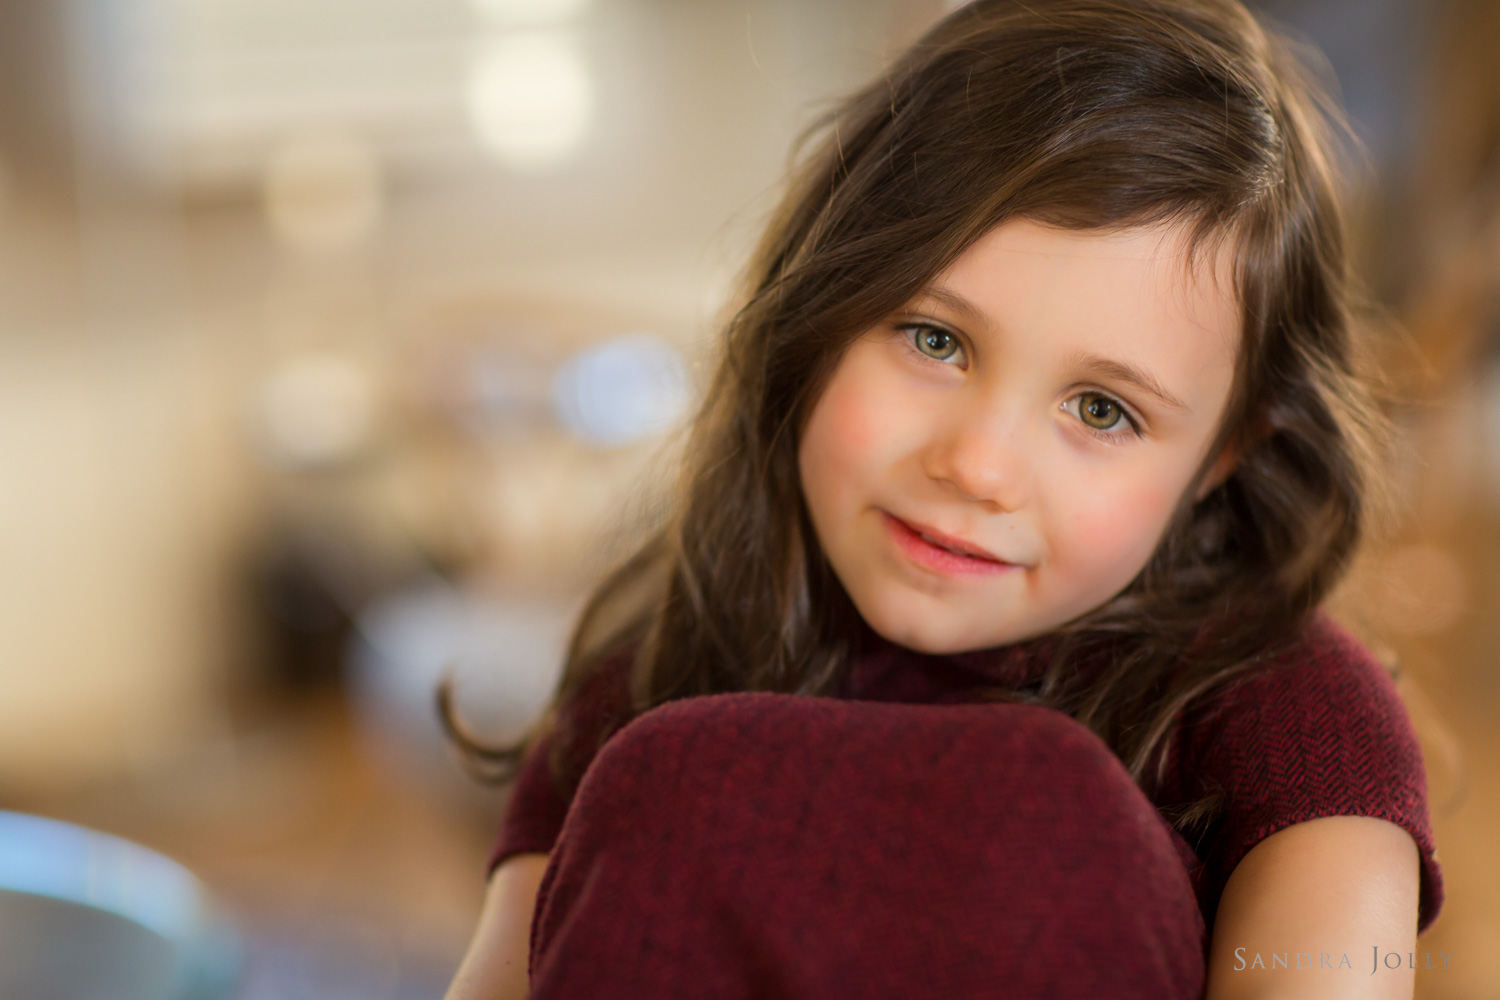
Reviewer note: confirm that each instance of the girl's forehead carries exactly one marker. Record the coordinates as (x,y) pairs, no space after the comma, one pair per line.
(1163,251)
(1144,281)
(1137,297)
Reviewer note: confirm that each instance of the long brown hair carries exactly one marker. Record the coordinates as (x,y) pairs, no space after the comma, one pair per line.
(1086,114)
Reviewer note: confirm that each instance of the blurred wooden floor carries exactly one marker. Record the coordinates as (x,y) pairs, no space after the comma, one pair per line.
(344,881)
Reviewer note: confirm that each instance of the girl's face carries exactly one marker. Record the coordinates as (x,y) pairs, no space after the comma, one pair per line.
(1002,455)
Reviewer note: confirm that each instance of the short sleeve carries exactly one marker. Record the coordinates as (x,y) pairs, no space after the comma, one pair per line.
(538,802)
(1320,731)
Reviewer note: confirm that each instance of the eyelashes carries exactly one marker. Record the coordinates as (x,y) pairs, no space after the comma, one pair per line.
(933,342)
(1085,412)
(935,345)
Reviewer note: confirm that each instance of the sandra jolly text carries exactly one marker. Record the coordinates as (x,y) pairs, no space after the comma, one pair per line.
(1279,960)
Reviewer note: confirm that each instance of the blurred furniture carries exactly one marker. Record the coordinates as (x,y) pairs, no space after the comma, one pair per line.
(84,915)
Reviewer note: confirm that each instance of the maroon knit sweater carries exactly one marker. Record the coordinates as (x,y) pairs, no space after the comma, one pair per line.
(1318,731)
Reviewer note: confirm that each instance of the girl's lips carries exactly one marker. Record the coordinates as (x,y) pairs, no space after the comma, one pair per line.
(936,557)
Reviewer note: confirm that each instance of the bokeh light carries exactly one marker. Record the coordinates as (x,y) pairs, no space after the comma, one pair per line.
(323,193)
(316,410)
(623,389)
(529,11)
(531,99)
(1423,590)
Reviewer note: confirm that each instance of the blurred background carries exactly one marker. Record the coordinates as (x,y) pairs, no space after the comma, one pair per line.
(341,344)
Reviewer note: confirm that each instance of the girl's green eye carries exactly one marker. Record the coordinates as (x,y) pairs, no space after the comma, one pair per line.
(1103,416)
(935,343)
(1099,412)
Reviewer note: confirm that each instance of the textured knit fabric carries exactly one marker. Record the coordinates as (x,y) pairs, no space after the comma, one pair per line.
(1318,731)
(765,845)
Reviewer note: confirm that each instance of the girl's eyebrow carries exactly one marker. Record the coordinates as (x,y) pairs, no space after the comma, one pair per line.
(956,302)
(1085,361)
(1123,371)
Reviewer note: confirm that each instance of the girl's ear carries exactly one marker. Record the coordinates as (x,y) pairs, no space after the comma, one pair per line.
(1259,429)
(1223,468)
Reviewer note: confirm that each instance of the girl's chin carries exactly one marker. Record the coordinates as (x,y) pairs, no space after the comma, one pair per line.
(901,620)
(925,637)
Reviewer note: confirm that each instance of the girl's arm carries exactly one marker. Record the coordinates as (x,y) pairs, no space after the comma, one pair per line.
(495,966)
(1337,886)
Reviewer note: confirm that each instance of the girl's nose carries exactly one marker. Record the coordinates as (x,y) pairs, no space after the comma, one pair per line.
(980,459)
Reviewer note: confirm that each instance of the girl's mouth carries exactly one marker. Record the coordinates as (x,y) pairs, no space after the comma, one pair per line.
(940,554)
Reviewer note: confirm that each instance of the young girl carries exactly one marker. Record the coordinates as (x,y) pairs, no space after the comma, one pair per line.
(1032,453)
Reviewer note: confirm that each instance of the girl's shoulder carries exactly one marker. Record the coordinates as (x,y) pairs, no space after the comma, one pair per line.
(1317,729)
(556,760)
(1321,676)
(596,709)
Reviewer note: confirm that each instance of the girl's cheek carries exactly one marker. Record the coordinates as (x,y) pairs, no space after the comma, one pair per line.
(857,419)
(1121,526)
(851,430)
(835,442)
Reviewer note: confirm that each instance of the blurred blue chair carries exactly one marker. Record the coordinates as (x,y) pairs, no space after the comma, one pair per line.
(87,916)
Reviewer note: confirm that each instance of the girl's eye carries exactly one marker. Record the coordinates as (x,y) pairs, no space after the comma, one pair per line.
(935,343)
(1104,416)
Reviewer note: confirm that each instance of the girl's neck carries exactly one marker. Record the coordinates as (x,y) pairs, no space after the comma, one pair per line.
(1014,663)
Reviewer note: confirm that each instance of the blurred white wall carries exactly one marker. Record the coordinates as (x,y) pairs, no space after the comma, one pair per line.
(199,197)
